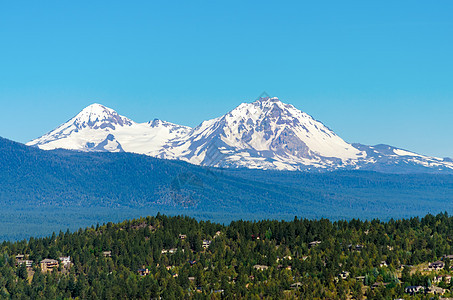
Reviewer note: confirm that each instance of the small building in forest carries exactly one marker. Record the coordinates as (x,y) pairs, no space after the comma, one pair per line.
(28,263)
(295,285)
(314,243)
(437,265)
(206,243)
(444,278)
(344,274)
(65,260)
(414,289)
(48,264)
(260,267)
(171,251)
(378,285)
(143,272)
(435,290)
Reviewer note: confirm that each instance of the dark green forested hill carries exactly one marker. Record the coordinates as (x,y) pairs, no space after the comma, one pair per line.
(43,191)
(179,257)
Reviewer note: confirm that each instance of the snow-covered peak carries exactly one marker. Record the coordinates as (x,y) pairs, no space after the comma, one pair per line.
(98,116)
(160,123)
(96,108)
(99,128)
(268,100)
(265,108)
(157,123)
(268,124)
(266,133)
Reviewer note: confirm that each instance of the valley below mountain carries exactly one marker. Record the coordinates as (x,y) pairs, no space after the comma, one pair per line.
(44,191)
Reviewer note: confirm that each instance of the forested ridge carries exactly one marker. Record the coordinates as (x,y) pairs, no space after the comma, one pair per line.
(179,257)
(38,185)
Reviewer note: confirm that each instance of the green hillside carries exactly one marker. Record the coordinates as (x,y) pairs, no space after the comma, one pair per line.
(179,257)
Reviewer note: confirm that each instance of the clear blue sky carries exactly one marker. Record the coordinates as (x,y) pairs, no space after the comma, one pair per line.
(373,71)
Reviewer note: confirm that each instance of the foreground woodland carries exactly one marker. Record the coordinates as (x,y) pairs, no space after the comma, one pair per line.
(180,257)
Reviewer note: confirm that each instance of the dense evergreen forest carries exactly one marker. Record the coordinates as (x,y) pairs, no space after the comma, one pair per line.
(44,191)
(179,257)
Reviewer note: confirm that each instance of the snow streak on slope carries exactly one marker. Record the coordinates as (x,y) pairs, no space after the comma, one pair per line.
(385,158)
(98,128)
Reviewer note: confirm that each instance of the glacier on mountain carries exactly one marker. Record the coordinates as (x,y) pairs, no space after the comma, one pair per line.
(99,128)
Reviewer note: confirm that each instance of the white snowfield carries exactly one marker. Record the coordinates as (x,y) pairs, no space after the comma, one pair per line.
(265,134)
(92,127)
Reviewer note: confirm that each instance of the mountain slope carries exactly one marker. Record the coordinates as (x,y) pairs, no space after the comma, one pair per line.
(265,134)
(98,128)
(388,159)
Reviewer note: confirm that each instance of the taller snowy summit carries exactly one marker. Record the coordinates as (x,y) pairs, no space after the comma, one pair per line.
(266,134)
(269,124)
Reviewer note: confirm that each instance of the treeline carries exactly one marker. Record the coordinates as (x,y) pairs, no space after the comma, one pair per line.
(179,257)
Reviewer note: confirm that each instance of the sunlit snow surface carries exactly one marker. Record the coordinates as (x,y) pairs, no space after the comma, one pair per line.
(95,123)
(265,134)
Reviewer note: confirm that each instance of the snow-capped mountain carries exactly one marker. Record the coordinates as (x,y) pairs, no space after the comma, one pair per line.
(269,134)
(265,134)
(99,128)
